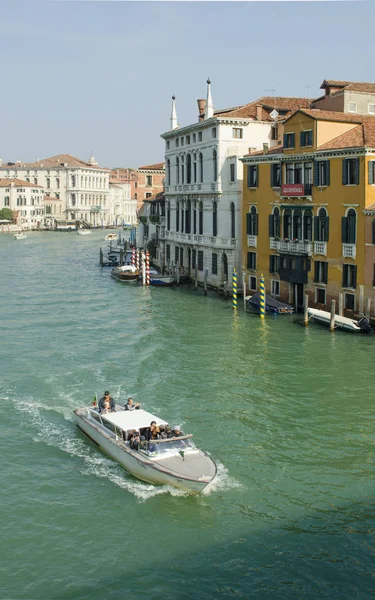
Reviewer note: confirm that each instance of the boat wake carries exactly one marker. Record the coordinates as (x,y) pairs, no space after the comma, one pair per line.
(63,435)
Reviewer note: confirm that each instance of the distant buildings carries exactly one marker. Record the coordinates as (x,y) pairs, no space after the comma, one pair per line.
(25,199)
(144,182)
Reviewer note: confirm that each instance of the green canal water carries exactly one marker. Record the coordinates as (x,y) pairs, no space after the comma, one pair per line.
(287,412)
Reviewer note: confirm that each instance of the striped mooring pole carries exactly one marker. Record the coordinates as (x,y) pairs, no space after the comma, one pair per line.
(147,268)
(234,289)
(137,258)
(262,297)
(133,256)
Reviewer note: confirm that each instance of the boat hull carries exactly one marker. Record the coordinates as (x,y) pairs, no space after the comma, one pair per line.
(323,317)
(133,462)
(162,281)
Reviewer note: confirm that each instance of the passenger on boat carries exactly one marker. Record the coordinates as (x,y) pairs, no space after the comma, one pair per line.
(106,398)
(168,431)
(134,444)
(131,406)
(177,431)
(154,431)
(163,434)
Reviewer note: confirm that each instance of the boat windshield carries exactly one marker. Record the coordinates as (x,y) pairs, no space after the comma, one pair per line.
(164,448)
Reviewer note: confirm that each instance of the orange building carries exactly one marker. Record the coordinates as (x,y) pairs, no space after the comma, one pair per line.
(145,182)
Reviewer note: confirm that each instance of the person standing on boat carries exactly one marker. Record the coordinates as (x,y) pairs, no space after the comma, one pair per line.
(106,398)
(130,405)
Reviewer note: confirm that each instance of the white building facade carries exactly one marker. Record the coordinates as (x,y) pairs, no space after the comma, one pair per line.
(203,190)
(25,200)
(123,208)
(82,187)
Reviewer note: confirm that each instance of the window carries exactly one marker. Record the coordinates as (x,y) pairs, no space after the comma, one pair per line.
(237,133)
(214,263)
(373,231)
(135,196)
(322,172)
(252,222)
(194,168)
(168,254)
(252,176)
(168,144)
(194,259)
(214,161)
(371,172)
(287,233)
(252,261)
(275,175)
(200,260)
(168,172)
(321,226)
(200,219)
(182,141)
(177,170)
(320,272)
(188,139)
(6,201)
(371,109)
(148,194)
(320,296)
(274,132)
(177,142)
(199,136)
(148,179)
(48,183)
(350,171)
(349,301)
(96,417)
(135,184)
(194,138)
(288,140)
(176,255)
(274,263)
(201,167)
(232,172)
(297,224)
(182,169)
(352,107)
(214,219)
(349,276)
(274,223)
(348,227)
(232,220)
(214,132)
(181,257)
(306,138)
(252,283)
(108,425)
(275,287)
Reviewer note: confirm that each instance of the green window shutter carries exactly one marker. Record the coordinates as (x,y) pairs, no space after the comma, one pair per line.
(356,171)
(371,172)
(344,268)
(292,137)
(352,230)
(373,231)
(327,230)
(257,175)
(271,263)
(344,230)
(325,272)
(248,260)
(309,138)
(271,227)
(248,176)
(316,271)
(327,169)
(316,172)
(344,171)
(272,175)
(256,224)
(355,276)
(248,223)
(316,229)
(302,138)
(285,140)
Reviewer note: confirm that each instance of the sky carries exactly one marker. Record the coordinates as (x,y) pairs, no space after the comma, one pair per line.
(90,76)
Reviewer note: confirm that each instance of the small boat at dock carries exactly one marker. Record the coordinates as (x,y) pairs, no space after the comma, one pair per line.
(157,278)
(323,317)
(20,235)
(125,273)
(174,461)
(272,306)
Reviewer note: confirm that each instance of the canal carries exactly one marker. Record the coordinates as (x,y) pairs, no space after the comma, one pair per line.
(286,411)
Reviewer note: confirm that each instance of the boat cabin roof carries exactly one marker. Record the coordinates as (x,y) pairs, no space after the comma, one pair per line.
(132,419)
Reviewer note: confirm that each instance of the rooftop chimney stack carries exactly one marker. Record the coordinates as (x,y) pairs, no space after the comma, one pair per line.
(201,108)
(209,112)
(259,112)
(265,148)
(174,124)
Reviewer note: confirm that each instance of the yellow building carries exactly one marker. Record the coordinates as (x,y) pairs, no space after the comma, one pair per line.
(307,207)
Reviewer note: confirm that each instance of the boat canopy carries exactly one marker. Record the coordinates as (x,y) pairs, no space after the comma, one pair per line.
(127,268)
(132,419)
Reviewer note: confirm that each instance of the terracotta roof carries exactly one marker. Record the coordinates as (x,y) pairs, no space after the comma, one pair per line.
(274,150)
(330,115)
(268,104)
(156,167)
(159,197)
(54,161)
(16,182)
(353,86)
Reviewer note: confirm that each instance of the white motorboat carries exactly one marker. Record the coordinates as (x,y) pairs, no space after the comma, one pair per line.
(111,237)
(125,273)
(173,461)
(20,235)
(84,232)
(345,323)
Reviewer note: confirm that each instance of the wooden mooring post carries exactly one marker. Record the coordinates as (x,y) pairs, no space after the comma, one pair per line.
(196,276)
(225,289)
(368,307)
(244,291)
(333,310)
(306,310)
(101,257)
(178,274)
(121,257)
(340,304)
(205,282)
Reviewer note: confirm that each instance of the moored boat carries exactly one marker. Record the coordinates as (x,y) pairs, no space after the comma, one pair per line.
(125,273)
(272,306)
(323,317)
(20,235)
(172,461)
(157,278)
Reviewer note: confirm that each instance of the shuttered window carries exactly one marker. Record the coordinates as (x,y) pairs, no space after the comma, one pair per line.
(275,175)
(252,222)
(200,260)
(214,263)
(252,261)
(193,259)
(252,176)
(274,263)
(289,140)
(348,227)
(306,138)
(168,253)
(320,271)
(350,171)
(349,276)
(176,255)
(322,173)
(373,231)
(371,172)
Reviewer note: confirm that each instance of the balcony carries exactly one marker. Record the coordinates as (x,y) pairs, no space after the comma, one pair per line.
(291,247)
(252,241)
(201,240)
(349,250)
(320,248)
(296,190)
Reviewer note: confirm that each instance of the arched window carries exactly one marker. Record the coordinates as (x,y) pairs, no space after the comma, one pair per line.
(48,183)
(287,229)
(194,168)
(349,226)
(168,216)
(297,224)
(73,199)
(188,169)
(201,167)
(321,226)
(188,217)
(177,216)
(182,217)
(177,170)
(232,221)
(182,169)
(307,224)
(73,181)
(200,218)
(274,223)
(214,219)
(168,172)
(195,218)
(252,222)
(214,160)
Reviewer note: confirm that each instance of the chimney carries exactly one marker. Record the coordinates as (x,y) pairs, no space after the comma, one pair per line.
(201,108)
(259,112)
(265,148)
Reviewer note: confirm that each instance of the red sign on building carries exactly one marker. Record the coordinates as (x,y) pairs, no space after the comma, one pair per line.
(292,189)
